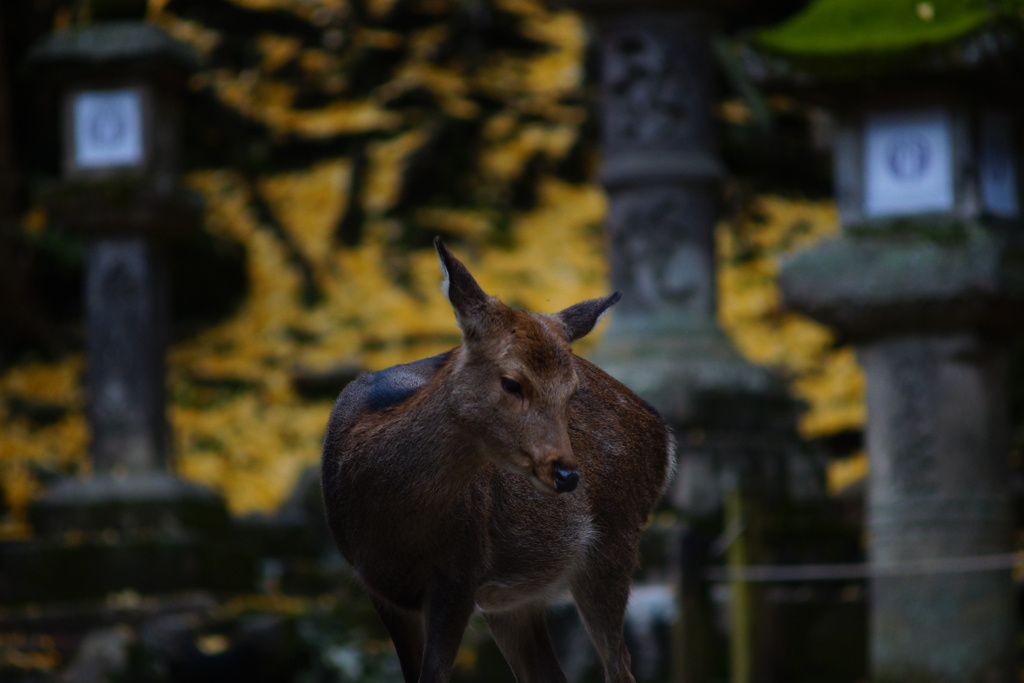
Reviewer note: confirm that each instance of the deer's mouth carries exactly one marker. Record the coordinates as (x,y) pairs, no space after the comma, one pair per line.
(522,469)
(543,487)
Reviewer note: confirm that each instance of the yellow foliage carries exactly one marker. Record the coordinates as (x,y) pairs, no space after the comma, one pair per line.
(311,203)
(238,423)
(253,444)
(449,86)
(23,446)
(271,103)
(35,221)
(382,40)
(277,50)
(387,162)
(192,33)
(505,160)
(845,472)
(473,225)
(423,43)
(828,379)
(380,8)
(53,384)
(304,8)
(560,69)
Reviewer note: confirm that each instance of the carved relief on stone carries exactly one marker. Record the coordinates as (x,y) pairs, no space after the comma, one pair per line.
(661,252)
(657,89)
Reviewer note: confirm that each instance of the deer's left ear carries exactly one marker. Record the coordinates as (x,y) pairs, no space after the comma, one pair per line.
(467,298)
(580,319)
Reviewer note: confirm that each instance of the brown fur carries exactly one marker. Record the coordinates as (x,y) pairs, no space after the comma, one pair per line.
(440,487)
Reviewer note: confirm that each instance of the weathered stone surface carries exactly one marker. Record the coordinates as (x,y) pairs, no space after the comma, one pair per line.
(938,441)
(662,172)
(658,83)
(866,286)
(661,253)
(111,42)
(150,504)
(695,377)
(122,207)
(103,655)
(146,531)
(659,146)
(126,315)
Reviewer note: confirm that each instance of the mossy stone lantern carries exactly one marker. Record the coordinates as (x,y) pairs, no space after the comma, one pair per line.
(927,279)
(118,86)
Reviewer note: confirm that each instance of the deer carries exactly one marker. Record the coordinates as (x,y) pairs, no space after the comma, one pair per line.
(494,477)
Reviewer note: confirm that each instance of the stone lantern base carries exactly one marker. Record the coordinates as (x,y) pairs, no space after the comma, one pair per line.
(729,415)
(149,532)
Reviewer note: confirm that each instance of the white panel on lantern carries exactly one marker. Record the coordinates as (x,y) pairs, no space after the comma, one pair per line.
(998,170)
(908,163)
(108,128)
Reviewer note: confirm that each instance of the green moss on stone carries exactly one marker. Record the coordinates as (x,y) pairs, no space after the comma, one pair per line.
(837,28)
(936,229)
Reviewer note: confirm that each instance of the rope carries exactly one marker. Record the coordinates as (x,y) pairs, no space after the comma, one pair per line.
(833,572)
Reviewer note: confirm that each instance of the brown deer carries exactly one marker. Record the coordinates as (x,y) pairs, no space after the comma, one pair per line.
(495,476)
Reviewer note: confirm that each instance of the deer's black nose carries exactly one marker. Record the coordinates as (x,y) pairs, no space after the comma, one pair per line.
(565,479)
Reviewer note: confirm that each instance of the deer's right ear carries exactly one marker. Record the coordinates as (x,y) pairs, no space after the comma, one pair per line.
(580,319)
(467,298)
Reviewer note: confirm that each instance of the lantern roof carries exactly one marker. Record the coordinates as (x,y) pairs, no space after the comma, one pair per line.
(112,43)
(847,40)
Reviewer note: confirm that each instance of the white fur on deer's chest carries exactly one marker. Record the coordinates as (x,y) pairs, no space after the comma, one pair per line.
(540,574)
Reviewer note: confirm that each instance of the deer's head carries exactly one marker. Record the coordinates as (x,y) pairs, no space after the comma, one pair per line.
(515,376)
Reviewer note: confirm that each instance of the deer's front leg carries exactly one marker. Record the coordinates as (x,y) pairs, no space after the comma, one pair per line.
(601,591)
(449,606)
(406,630)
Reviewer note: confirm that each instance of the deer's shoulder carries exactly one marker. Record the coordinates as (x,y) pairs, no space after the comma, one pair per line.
(374,391)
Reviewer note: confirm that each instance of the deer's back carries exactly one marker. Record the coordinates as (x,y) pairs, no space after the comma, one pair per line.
(374,392)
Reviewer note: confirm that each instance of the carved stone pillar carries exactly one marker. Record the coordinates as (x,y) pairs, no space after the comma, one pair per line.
(662,173)
(126,313)
(660,168)
(734,421)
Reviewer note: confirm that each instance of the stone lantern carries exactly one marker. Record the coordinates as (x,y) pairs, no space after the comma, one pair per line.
(118,86)
(927,279)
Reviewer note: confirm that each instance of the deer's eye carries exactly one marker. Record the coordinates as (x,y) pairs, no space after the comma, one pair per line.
(511,386)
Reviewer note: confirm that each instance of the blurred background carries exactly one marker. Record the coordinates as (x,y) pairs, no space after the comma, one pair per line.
(811,208)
